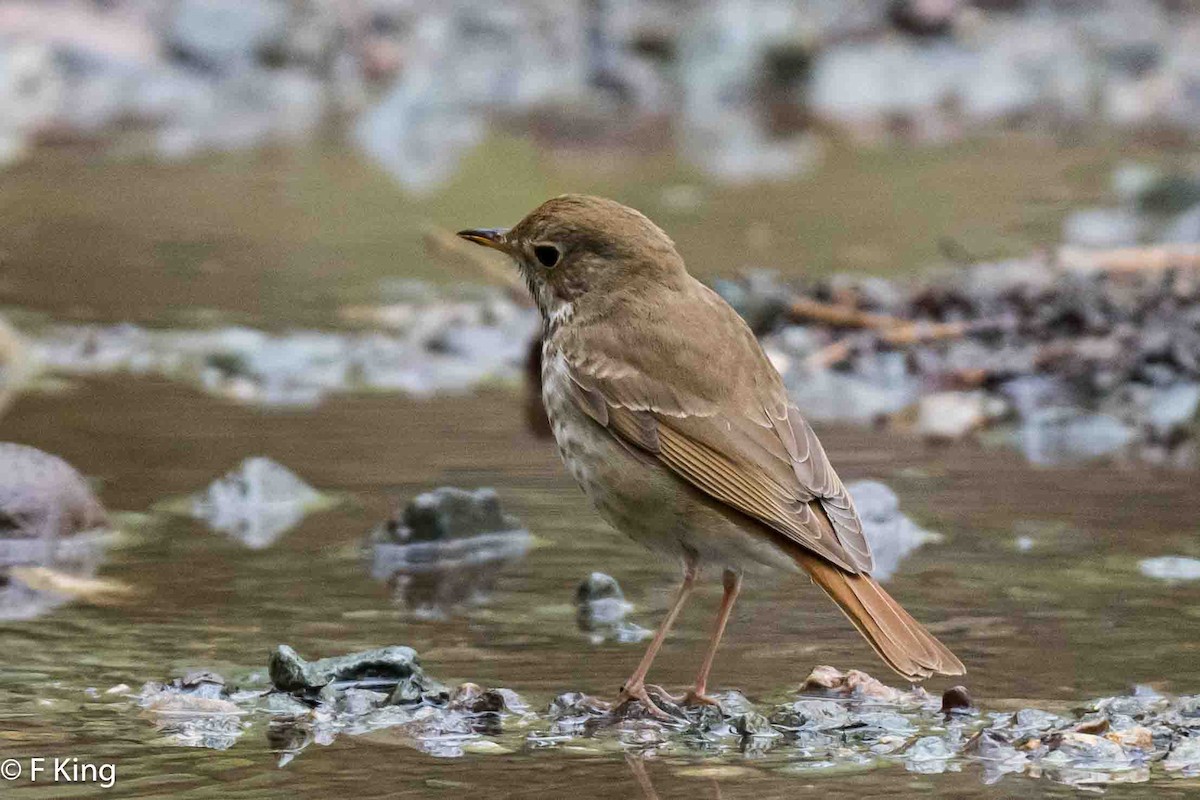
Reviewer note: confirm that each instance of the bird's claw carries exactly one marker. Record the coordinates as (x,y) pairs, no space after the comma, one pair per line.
(694,698)
(639,693)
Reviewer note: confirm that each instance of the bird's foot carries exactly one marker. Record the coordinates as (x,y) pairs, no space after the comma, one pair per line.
(658,691)
(697,697)
(638,691)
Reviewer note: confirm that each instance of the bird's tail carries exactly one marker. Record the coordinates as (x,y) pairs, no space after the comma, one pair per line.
(899,639)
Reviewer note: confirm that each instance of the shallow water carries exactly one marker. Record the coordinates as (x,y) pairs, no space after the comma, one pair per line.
(273,242)
(1069,619)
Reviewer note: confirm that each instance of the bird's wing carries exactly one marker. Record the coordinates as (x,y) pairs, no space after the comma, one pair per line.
(718,417)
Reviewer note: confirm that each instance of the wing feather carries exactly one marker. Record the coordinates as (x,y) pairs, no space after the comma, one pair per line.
(721,420)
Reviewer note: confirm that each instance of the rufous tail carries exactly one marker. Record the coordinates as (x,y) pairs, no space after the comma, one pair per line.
(899,639)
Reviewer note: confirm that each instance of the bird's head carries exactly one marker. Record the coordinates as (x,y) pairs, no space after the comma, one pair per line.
(576,247)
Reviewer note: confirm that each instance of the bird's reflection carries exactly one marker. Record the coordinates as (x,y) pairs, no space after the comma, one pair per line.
(637,765)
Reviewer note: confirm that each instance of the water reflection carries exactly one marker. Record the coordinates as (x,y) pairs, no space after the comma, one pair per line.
(257,503)
(445,549)
(53,533)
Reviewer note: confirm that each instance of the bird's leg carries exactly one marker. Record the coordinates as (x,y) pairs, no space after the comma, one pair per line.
(635,687)
(697,696)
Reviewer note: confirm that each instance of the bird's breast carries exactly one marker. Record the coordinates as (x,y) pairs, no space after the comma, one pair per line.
(634,495)
(640,497)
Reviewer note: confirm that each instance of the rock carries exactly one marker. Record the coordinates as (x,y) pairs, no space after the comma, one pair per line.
(31,88)
(1183,229)
(1132,738)
(956,699)
(601,609)
(1083,750)
(751,724)
(817,715)
(53,533)
(257,502)
(575,705)
(759,298)
(1172,410)
(1059,435)
(372,669)
(196,710)
(224,35)
(43,497)
(880,387)
(849,684)
(438,344)
(949,416)
(1171,568)
(423,125)
(1102,228)
(472,698)
(1155,191)
(1184,757)
(892,535)
(1097,726)
(357,702)
(446,548)
(347,696)
(450,513)
(990,744)
(929,755)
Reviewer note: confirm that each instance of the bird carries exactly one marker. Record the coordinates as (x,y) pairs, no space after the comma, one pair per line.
(671,418)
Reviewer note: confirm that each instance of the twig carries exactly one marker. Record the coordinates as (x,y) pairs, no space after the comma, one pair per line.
(15,362)
(841,315)
(901,334)
(1129,259)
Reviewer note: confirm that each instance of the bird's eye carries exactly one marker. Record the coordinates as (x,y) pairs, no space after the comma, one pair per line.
(546,254)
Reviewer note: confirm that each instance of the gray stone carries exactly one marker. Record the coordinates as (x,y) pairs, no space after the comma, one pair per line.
(256,503)
(1102,227)
(1183,229)
(600,601)
(373,668)
(950,416)
(928,755)
(819,715)
(223,35)
(1184,757)
(44,497)
(1061,435)
(891,534)
(1172,409)
(751,724)
(1171,568)
(451,513)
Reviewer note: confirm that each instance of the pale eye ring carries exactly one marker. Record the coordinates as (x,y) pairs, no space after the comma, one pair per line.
(546,254)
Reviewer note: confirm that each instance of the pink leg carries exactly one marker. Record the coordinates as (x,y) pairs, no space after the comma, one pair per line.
(733,584)
(635,687)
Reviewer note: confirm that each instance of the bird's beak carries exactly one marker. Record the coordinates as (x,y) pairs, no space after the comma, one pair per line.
(488,237)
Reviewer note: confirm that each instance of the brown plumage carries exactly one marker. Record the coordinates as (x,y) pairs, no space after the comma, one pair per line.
(675,423)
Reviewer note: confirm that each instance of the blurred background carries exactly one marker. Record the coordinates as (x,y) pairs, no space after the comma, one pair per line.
(299,147)
(968,234)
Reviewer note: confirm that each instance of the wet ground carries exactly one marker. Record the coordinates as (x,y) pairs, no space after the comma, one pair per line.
(1069,619)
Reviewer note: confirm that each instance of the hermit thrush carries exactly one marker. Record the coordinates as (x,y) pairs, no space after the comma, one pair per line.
(671,418)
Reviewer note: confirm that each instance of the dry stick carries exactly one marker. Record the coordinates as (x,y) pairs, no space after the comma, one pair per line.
(841,315)
(902,335)
(1129,259)
(13,358)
